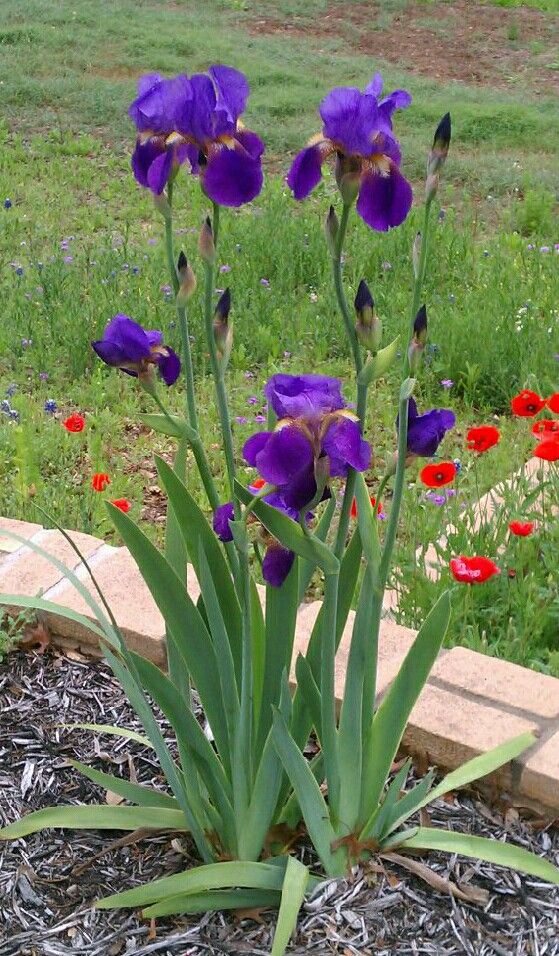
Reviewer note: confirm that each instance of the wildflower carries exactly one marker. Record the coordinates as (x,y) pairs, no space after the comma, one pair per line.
(386,266)
(126,345)
(11,390)
(74,423)
(474,570)
(521,528)
(50,406)
(457,464)
(482,438)
(442,215)
(547,450)
(447,382)
(438,500)
(437,475)
(527,404)
(546,427)
(122,504)
(100,480)
(314,430)
(241,420)
(225,268)
(425,432)
(265,283)
(197,120)
(553,403)
(5,406)
(68,260)
(357,128)
(7,204)
(353,512)
(19,271)
(14,415)
(545,249)
(260,418)
(252,400)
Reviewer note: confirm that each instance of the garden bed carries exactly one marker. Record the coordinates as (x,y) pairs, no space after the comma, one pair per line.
(49,881)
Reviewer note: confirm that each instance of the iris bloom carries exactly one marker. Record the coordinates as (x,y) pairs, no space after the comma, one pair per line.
(426,432)
(357,128)
(315,432)
(126,345)
(197,120)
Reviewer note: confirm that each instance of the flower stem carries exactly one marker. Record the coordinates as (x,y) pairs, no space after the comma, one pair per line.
(329,741)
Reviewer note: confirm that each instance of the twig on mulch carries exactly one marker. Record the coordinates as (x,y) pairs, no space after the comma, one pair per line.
(49,880)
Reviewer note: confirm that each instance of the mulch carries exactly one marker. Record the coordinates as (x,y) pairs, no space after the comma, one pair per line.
(48,881)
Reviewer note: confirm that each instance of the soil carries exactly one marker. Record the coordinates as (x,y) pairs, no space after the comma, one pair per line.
(462,41)
(49,880)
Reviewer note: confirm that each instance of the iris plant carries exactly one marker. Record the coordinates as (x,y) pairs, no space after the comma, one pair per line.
(244,797)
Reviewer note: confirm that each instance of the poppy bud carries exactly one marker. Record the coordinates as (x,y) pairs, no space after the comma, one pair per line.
(162,205)
(223,332)
(416,253)
(348,177)
(419,338)
(206,244)
(368,326)
(437,156)
(331,230)
(187,280)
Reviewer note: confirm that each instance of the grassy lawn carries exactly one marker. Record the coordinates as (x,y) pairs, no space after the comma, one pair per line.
(81,242)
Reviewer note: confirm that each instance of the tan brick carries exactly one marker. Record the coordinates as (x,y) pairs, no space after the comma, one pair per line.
(452,729)
(24,528)
(490,503)
(540,776)
(26,572)
(129,598)
(499,682)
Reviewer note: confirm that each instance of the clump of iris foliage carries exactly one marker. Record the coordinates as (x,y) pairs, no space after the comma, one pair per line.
(235,793)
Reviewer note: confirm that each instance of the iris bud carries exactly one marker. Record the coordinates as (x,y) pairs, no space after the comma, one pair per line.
(437,156)
(419,338)
(368,326)
(162,205)
(206,244)
(222,330)
(331,227)
(187,280)
(348,177)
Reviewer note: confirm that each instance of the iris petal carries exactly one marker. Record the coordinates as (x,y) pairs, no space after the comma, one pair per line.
(345,447)
(232,90)
(277,564)
(384,201)
(350,119)
(305,172)
(286,453)
(297,396)
(232,177)
(169,366)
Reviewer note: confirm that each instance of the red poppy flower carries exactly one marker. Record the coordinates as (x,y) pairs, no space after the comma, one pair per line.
(553,402)
(482,438)
(100,480)
(373,501)
(437,475)
(258,483)
(74,423)
(547,427)
(521,528)
(122,504)
(474,570)
(527,404)
(547,450)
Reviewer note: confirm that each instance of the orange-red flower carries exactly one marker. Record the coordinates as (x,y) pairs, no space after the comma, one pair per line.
(437,475)
(474,570)
(548,427)
(553,402)
(482,438)
(547,450)
(100,480)
(74,423)
(521,528)
(122,504)
(373,501)
(527,404)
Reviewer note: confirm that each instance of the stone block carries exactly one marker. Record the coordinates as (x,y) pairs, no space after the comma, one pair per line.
(26,572)
(24,528)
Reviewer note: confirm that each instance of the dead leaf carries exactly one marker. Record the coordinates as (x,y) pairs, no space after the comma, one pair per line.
(465,892)
(113,799)
(152,934)
(424,817)
(36,638)
(254,913)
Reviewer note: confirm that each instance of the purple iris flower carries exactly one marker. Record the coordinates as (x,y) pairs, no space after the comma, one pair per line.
(197,120)
(314,424)
(426,432)
(222,516)
(126,345)
(357,127)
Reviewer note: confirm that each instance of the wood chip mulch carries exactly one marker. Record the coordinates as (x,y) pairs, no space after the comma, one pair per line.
(48,881)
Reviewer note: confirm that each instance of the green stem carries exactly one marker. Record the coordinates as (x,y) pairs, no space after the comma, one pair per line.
(329,742)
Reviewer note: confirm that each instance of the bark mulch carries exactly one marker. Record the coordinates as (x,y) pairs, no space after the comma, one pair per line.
(49,881)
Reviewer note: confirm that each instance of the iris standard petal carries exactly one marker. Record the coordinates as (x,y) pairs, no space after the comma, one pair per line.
(287,452)
(128,337)
(159,103)
(384,200)
(350,119)
(345,446)
(305,172)
(374,88)
(169,366)
(232,177)
(197,118)
(222,516)
(299,396)
(277,564)
(232,89)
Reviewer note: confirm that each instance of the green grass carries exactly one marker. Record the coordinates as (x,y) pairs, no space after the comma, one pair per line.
(68,72)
